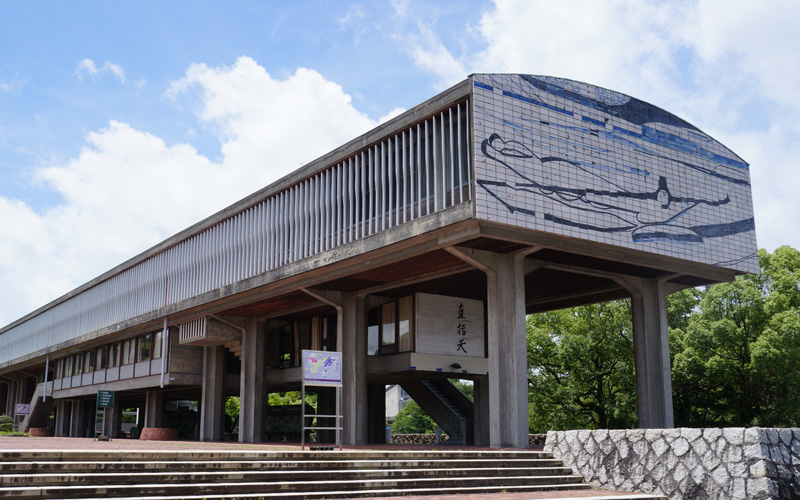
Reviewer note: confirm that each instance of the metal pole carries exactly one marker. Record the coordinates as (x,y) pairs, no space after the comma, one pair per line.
(303,414)
(46,369)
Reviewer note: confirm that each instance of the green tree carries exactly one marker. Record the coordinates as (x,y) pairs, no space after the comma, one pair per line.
(581,368)
(413,420)
(735,359)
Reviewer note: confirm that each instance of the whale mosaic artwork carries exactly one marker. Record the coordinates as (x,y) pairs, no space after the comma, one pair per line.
(570,158)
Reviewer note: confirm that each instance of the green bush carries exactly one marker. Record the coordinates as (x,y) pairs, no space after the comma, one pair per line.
(6,427)
(5,419)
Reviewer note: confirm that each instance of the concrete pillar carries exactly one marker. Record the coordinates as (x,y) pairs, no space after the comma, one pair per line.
(508,362)
(376,401)
(651,352)
(351,337)
(251,387)
(116,430)
(480,401)
(76,424)
(213,399)
(153,409)
(62,418)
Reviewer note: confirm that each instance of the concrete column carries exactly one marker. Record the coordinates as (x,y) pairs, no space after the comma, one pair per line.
(651,352)
(481,410)
(153,409)
(116,430)
(62,418)
(351,337)
(376,401)
(76,426)
(213,400)
(251,387)
(508,363)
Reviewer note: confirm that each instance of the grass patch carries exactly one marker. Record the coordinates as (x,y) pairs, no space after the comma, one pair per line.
(14,434)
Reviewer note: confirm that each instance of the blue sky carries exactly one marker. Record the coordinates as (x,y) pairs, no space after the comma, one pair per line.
(123,122)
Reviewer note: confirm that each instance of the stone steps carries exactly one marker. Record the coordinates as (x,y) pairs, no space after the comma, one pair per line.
(268,474)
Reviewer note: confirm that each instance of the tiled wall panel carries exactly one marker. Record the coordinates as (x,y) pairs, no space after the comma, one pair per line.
(577,160)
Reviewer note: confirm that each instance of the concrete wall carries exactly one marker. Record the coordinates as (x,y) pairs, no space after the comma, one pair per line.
(696,464)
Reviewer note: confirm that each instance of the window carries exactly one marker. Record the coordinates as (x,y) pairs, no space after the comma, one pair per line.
(388,330)
(114,355)
(390,327)
(78,364)
(68,367)
(144,346)
(89,362)
(373,331)
(100,358)
(128,352)
(405,323)
(157,343)
(60,368)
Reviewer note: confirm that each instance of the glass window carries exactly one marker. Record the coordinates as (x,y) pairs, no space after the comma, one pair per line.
(128,352)
(157,343)
(144,346)
(78,364)
(388,330)
(89,362)
(405,323)
(60,368)
(373,331)
(100,358)
(68,367)
(113,355)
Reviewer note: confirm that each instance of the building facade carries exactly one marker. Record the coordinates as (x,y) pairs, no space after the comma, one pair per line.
(416,250)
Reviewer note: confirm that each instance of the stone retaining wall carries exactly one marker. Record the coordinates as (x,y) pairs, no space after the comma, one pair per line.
(534,440)
(417,438)
(697,464)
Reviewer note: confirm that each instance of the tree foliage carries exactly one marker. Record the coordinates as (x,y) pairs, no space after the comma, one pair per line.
(735,360)
(413,420)
(735,349)
(581,368)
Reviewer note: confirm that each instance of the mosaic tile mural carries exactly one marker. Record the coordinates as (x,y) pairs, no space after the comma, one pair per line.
(569,158)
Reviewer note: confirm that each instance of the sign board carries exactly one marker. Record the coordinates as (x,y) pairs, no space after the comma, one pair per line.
(449,325)
(322,367)
(105,399)
(22,409)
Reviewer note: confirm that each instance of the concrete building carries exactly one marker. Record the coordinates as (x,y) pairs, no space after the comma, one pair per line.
(416,250)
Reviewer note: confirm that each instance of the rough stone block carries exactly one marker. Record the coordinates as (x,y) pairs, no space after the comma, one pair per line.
(680,446)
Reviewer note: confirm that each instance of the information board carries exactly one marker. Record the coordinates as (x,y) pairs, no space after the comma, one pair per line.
(105,399)
(322,367)
(22,409)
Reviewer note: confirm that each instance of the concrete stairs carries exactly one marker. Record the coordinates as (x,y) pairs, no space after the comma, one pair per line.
(271,474)
(39,408)
(446,405)
(235,347)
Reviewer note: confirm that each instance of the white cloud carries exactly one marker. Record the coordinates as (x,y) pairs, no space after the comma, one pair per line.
(269,127)
(12,86)
(729,67)
(88,67)
(356,11)
(128,189)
